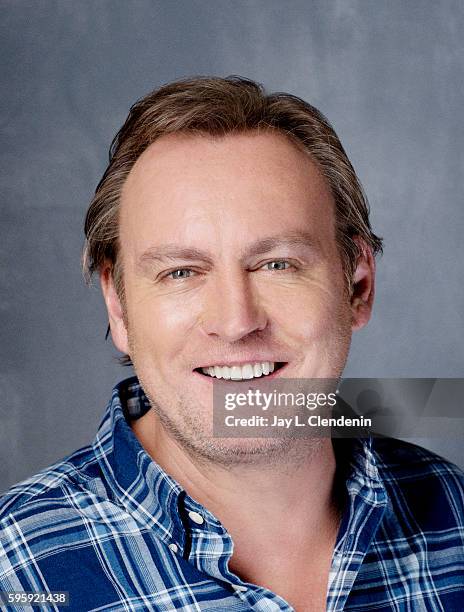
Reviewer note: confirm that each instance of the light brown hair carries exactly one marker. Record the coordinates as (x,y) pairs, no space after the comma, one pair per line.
(220,106)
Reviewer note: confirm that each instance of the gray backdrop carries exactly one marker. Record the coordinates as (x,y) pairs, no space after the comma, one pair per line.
(388,74)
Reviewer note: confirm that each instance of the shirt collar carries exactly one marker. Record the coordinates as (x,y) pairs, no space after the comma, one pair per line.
(134,479)
(366,502)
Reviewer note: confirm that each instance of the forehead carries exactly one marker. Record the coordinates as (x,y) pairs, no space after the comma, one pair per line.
(198,187)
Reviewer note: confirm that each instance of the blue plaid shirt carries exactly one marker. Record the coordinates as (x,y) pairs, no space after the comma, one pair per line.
(109,526)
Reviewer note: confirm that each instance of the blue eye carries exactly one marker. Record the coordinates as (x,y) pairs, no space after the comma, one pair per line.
(278,265)
(180,274)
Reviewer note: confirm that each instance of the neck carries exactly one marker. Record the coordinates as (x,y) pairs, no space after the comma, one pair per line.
(273,503)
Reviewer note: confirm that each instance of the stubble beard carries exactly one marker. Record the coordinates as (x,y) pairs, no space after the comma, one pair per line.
(187,427)
(188,431)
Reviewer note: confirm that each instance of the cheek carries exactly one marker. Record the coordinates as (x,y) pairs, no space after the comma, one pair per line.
(310,313)
(159,322)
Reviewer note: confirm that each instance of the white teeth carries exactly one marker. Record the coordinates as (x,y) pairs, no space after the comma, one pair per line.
(235,372)
(247,371)
(244,372)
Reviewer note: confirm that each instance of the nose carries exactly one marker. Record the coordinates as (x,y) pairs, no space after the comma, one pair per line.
(233,309)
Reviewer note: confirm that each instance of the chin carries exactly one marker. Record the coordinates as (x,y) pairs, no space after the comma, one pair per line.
(256,452)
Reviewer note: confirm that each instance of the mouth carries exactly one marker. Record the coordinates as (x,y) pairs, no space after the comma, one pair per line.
(245,371)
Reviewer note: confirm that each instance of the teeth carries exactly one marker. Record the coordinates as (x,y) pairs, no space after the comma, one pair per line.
(244,372)
(247,371)
(235,372)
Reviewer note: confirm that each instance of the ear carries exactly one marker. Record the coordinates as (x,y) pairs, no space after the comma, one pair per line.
(114,308)
(362,297)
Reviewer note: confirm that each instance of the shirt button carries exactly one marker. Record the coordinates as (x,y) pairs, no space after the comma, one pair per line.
(240,588)
(174,548)
(196,518)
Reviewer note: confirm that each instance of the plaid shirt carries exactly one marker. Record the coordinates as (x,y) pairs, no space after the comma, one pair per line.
(111,527)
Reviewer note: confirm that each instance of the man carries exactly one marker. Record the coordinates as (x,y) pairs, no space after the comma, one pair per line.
(232,240)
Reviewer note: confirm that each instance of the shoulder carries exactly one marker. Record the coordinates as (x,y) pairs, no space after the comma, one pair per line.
(421,483)
(48,484)
(62,526)
(47,511)
(403,460)
(48,520)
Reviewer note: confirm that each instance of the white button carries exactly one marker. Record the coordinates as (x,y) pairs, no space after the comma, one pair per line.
(196,518)
(174,548)
(240,587)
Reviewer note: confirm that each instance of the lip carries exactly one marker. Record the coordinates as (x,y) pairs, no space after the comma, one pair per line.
(274,374)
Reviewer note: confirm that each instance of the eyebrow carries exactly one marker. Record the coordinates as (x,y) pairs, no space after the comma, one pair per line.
(169,252)
(264,245)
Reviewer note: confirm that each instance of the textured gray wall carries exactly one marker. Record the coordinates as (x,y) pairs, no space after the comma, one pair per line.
(388,74)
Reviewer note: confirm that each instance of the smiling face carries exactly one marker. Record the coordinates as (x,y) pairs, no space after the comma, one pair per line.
(229,259)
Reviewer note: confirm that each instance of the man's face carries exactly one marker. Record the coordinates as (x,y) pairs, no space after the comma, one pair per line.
(230,259)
